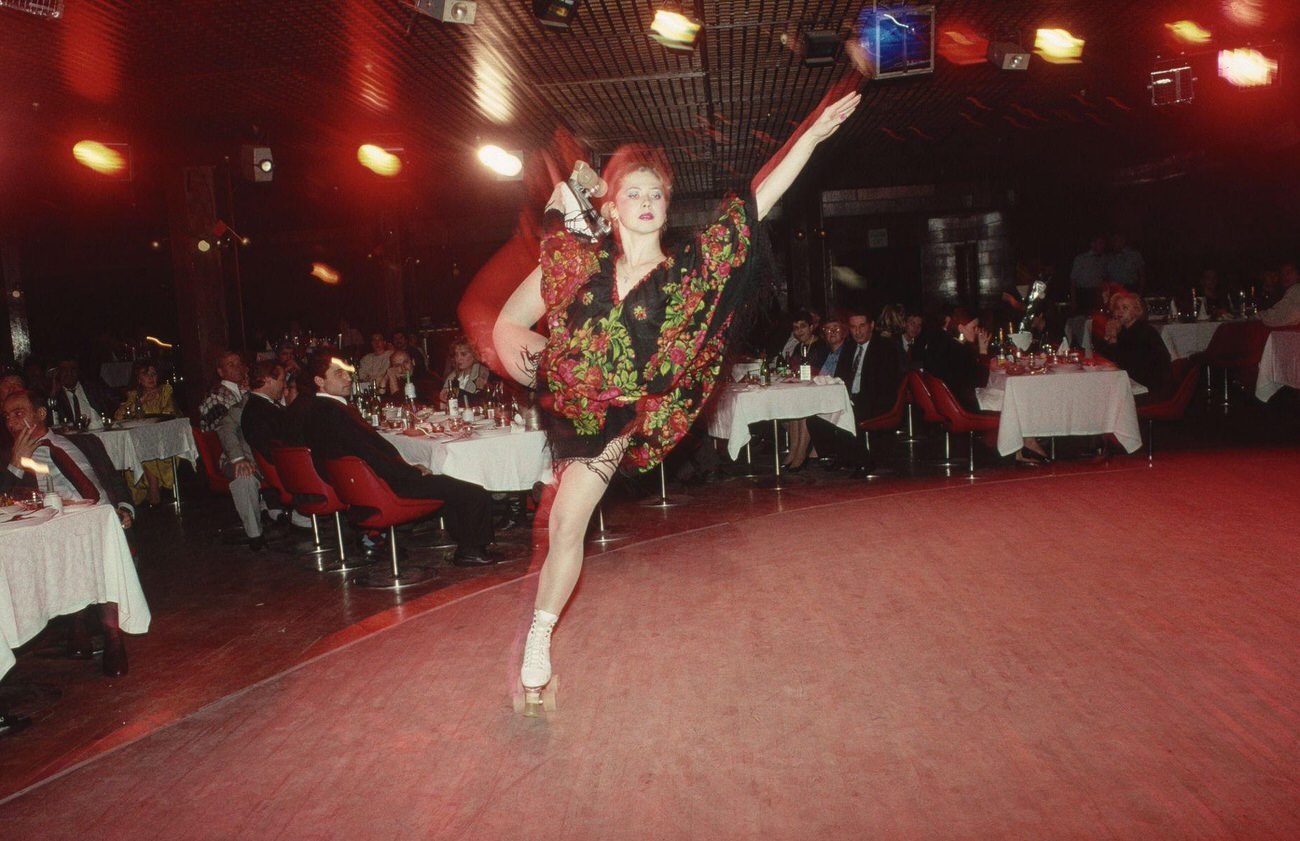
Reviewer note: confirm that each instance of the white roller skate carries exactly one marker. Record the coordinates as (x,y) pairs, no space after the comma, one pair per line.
(580,215)
(538,683)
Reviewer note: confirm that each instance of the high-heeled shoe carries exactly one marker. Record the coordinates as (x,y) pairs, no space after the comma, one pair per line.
(1031,458)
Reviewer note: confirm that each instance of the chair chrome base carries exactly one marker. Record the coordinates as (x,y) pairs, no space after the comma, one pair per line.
(383,578)
(664,500)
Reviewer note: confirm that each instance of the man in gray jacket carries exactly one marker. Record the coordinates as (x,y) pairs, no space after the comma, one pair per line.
(220,412)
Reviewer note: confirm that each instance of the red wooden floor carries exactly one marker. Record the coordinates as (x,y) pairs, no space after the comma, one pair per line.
(1093,651)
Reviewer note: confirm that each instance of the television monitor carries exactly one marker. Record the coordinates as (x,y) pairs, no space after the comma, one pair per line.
(898,39)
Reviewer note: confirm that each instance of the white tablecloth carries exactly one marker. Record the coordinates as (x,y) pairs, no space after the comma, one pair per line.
(59,566)
(132,442)
(740,405)
(498,459)
(1089,402)
(1279,365)
(1185,338)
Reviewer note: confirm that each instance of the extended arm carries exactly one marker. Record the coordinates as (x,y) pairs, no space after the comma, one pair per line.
(780,172)
(513,337)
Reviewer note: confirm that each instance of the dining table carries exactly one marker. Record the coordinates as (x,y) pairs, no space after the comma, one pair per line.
(129,443)
(1086,397)
(57,562)
(1279,365)
(740,404)
(500,459)
(1184,338)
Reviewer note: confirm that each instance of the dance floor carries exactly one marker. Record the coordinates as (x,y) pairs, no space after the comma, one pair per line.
(1091,654)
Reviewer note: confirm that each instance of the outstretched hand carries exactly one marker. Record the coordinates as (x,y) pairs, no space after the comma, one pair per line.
(834,115)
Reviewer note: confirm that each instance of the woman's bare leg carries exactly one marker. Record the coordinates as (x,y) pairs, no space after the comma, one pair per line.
(582,484)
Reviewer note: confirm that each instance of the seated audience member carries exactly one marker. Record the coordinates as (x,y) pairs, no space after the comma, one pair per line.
(1270,292)
(373,365)
(9,384)
(221,412)
(400,367)
(470,375)
(957,353)
(332,430)
(1101,316)
(78,465)
(872,370)
(909,341)
(891,322)
(290,388)
(262,420)
(803,329)
(809,350)
(1136,347)
(150,398)
(1286,312)
(76,397)
(405,340)
(1218,300)
(832,331)
(350,339)
(287,356)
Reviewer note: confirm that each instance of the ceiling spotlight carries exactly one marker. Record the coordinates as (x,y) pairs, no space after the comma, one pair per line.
(1247,68)
(1008,55)
(447,11)
(503,163)
(1058,46)
(557,14)
(111,159)
(1189,31)
(256,163)
(380,160)
(674,30)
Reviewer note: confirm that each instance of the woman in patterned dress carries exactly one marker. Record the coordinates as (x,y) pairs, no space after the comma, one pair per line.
(635,339)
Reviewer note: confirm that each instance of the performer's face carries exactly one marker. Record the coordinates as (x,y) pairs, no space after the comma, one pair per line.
(641,203)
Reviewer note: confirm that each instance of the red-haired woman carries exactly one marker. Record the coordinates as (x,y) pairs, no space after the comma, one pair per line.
(635,338)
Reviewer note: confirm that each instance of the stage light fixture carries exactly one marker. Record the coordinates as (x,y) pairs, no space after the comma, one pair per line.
(505,164)
(256,163)
(381,160)
(1008,56)
(1058,46)
(1172,85)
(1247,68)
(895,40)
(557,14)
(821,47)
(674,30)
(447,11)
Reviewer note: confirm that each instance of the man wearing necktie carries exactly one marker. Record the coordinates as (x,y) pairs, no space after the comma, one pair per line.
(872,371)
(78,465)
(74,397)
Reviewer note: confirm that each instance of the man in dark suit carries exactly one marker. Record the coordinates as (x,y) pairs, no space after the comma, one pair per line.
(78,465)
(263,418)
(872,372)
(75,397)
(332,429)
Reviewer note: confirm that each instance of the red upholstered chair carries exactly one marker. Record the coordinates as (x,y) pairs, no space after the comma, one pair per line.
(209,446)
(314,497)
(1238,346)
(890,419)
(271,479)
(1185,374)
(373,505)
(921,396)
(956,418)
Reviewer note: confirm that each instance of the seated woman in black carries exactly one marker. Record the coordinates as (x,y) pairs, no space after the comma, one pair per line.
(1136,347)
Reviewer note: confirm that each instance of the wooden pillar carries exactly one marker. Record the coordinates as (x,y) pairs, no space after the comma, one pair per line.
(199,277)
(20,337)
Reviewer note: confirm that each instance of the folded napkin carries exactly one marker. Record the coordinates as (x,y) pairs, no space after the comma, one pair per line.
(30,518)
(1064,349)
(1022,340)
(826,379)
